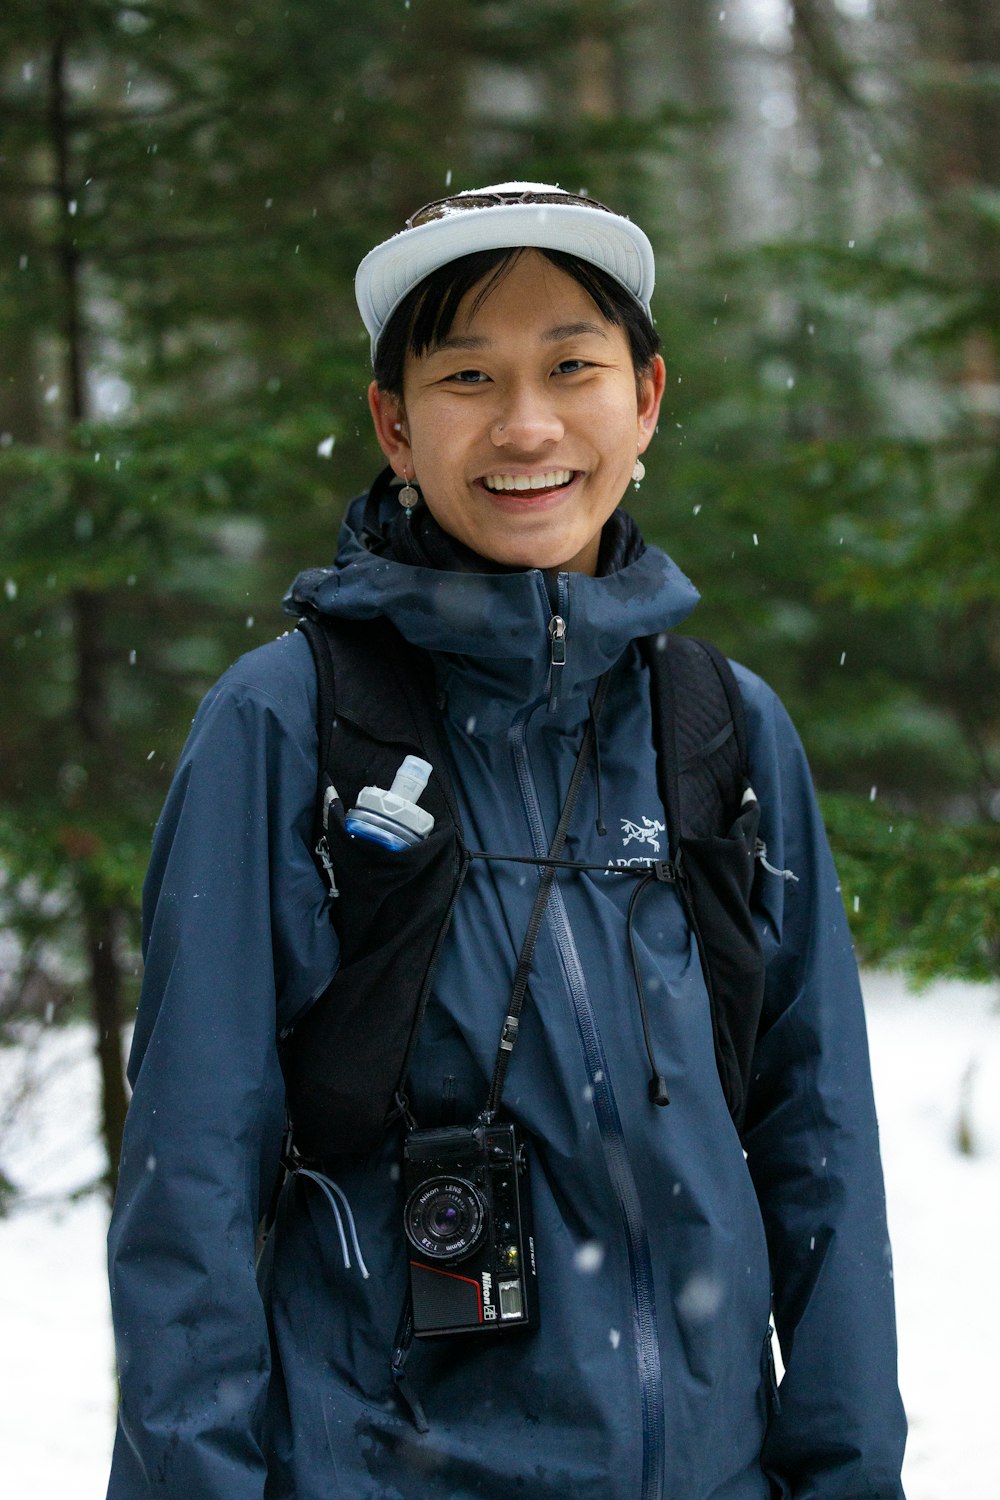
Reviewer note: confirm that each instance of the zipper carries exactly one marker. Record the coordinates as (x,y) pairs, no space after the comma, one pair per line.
(612,1140)
(557,658)
(557,636)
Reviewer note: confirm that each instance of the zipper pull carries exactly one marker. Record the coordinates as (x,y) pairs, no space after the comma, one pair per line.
(557,657)
(557,635)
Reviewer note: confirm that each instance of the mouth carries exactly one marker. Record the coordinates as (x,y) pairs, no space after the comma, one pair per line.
(549,482)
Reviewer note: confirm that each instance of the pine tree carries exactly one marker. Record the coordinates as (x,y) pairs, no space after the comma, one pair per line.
(184,374)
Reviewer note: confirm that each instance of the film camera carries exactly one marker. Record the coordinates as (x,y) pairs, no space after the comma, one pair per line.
(472,1262)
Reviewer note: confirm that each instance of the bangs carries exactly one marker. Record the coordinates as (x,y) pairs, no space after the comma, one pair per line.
(426,315)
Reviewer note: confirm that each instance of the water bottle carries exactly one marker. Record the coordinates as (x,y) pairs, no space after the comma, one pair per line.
(392,818)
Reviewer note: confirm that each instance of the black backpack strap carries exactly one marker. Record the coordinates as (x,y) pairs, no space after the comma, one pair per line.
(319,645)
(369,674)
(655,649)
(733,696)
(699,732)
(702,761)
(345,1060)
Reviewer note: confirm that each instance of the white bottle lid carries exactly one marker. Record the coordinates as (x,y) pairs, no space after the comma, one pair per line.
(411,778)
(399,803)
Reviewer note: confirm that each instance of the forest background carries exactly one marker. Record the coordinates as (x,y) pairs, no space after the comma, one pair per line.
(186,187)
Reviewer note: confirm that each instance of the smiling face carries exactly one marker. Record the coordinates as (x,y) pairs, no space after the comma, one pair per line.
(523,424)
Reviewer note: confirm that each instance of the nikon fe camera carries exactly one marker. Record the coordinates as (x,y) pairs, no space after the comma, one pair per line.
(468,1222)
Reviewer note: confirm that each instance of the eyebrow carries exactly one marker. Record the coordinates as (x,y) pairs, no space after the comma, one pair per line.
(556,335)
(572,331)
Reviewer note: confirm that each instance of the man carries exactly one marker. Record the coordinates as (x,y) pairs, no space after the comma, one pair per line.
(517,381)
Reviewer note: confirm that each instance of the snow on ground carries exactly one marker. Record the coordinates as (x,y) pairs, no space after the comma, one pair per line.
(944,1218)
(56,1354)
(929,1052)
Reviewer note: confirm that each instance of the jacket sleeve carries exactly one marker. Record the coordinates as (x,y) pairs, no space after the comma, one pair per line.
(837,1429)
(236,941)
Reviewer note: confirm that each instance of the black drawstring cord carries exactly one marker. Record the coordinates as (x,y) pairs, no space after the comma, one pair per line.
(597,771)
(657,1084)
(662,870)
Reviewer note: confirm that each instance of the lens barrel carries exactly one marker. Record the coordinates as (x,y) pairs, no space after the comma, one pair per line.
(445,1218)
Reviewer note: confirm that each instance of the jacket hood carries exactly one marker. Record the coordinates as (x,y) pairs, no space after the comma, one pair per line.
(500,620)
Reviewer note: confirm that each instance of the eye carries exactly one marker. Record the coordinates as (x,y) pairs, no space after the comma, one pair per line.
(468,377)
(571,366)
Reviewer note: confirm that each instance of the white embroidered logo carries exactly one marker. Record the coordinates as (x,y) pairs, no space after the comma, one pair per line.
(644,834)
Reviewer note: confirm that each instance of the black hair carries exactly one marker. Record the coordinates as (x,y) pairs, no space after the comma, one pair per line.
(427,312)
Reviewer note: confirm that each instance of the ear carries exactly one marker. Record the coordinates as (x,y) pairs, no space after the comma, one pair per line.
(651,394)
(389,419)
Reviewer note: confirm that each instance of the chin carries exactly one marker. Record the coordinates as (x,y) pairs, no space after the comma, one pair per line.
(531,552)
(528,560)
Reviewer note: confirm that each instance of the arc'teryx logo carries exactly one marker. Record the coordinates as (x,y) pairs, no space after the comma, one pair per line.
(644,833)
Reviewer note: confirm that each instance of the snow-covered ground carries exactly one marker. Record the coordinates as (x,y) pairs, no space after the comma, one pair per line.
(56,1354)
(929,1053)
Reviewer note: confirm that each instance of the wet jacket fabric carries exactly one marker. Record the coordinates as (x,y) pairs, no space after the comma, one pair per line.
(662,1243)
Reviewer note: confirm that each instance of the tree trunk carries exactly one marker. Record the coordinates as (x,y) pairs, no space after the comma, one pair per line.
(99,915)
(106,995)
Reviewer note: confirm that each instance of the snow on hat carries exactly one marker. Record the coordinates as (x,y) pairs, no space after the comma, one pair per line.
(504,216)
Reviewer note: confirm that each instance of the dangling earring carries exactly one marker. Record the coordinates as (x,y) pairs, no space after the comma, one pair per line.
(638,472)
(409,494)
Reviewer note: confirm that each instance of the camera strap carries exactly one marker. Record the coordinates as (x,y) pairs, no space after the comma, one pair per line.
(508,1035)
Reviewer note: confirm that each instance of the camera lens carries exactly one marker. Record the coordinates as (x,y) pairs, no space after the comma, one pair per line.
(445,1218)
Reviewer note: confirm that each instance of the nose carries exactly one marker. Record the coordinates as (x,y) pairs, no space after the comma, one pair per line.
(526,421)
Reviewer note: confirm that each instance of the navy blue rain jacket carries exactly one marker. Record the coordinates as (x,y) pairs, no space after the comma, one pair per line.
(662,1246)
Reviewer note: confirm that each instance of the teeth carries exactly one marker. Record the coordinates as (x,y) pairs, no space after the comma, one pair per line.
(551,480)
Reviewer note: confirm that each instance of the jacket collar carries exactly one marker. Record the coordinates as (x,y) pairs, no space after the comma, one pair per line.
(496,623)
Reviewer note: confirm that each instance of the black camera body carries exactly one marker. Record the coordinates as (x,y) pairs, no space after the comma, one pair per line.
(468,1223)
